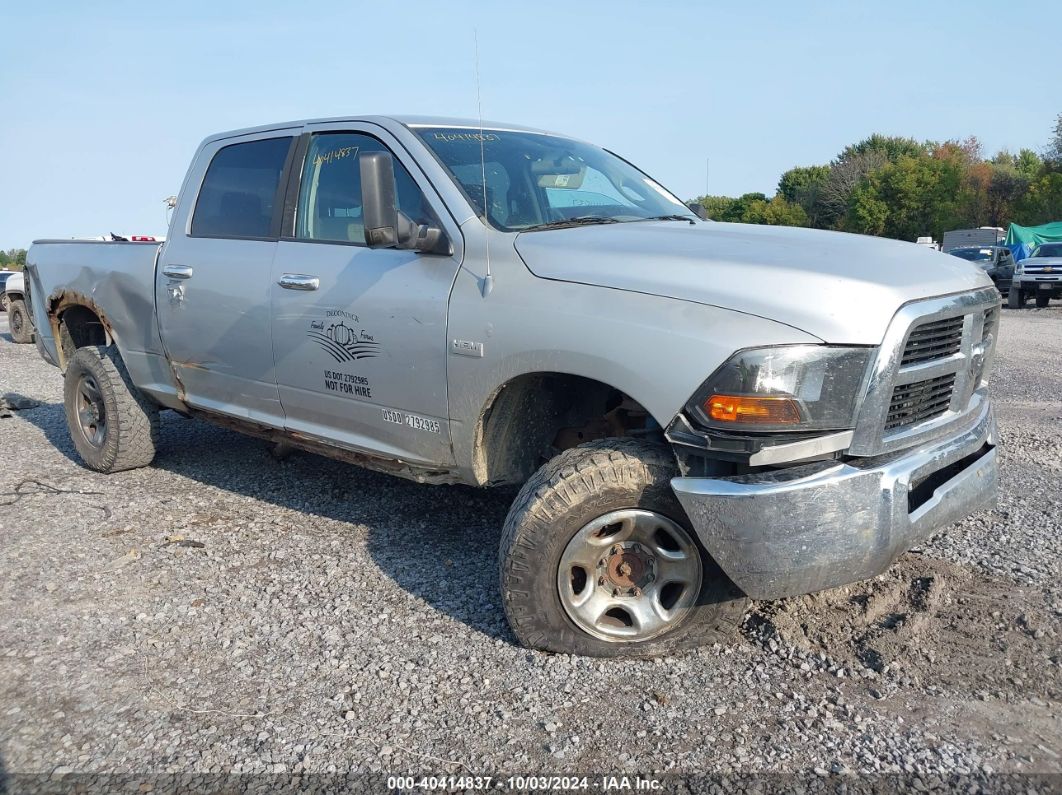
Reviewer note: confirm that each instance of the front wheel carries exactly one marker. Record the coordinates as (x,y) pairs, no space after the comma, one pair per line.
(1016,297)
(598,558)
(18,321)
(114,426)
(1042,300)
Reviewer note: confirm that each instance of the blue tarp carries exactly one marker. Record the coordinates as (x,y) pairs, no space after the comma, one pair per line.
(1023,239)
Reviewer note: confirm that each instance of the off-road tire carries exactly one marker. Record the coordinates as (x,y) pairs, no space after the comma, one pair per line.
(132,426)
(4,301)
(1042,300)
(1016,298)
(18,321)
(574,488)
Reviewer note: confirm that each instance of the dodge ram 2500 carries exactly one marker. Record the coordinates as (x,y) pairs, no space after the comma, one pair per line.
(697,413)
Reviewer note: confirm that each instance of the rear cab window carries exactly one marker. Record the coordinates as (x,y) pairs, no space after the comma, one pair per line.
(239,195)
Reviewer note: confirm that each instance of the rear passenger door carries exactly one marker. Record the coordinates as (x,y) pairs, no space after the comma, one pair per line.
(359,334)
(212,284)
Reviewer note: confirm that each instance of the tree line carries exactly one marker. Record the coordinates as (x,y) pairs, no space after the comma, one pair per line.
(902,188)
(14,259)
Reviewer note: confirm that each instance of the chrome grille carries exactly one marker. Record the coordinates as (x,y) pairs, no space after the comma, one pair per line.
(991,319)
(920,401)
(936,340)
(928,377)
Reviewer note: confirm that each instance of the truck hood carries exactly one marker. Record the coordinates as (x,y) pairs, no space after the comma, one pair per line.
(838,287)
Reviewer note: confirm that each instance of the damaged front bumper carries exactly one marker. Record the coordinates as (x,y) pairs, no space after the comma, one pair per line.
(805,528)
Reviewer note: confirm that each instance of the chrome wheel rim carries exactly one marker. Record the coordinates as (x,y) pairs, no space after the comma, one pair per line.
(629,575)
(91,413)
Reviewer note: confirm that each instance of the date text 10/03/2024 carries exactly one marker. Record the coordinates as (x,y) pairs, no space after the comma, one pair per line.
(524,783)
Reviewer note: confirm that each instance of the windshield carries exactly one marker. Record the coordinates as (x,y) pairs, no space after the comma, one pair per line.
(1048,250)
(972,254)
(538,181)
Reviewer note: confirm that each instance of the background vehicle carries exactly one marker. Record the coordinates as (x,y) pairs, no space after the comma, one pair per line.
(18,316)
(4,276)
(493,305)
(997,261)
(1039,276)
(981,236)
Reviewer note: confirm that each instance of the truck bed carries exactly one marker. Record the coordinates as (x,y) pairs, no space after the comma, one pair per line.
(117,275)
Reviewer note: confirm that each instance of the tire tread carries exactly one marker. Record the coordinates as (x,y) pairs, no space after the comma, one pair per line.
(569,480)
(136,416)
(18,306)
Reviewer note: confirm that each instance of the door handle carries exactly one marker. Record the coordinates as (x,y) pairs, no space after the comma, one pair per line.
(177,271)
(299,281)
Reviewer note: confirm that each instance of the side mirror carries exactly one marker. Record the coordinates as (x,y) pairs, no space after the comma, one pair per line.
(698,210)
(385,225)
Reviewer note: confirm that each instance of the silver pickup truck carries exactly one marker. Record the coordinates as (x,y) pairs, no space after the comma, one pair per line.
(696,413)
(1038,276)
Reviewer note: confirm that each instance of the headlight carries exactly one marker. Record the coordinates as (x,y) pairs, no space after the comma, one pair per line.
(786,388)
(1019,268)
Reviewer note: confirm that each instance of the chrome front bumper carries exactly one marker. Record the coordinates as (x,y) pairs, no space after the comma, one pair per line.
(798,530)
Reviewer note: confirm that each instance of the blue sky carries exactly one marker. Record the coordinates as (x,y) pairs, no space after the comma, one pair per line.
(104,103)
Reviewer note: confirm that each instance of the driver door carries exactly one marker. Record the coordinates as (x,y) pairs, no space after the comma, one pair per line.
(359,334)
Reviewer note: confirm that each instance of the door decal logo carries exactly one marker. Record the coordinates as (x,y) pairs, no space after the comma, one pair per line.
(342,342)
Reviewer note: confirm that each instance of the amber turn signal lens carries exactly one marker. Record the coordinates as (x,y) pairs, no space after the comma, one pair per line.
(751,409)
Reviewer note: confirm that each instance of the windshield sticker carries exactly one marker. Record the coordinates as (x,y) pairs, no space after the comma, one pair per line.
(343,342)
(326,158)
(469,137)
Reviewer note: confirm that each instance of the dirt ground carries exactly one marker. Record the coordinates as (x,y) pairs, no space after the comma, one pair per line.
(225,613)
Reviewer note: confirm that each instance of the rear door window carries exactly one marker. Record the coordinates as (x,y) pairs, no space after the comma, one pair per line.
(239,191)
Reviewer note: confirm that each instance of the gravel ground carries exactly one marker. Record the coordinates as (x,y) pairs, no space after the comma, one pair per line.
(225,612)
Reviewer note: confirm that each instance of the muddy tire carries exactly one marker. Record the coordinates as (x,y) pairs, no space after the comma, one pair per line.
(1015,298)
(18,320)
(606,509)
(1042,300)
(114,426)
(4,301)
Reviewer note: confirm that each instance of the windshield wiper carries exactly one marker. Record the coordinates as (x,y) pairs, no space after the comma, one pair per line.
(579,220)
(685,218)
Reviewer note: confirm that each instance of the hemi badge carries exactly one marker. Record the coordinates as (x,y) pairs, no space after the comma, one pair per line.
(467,348)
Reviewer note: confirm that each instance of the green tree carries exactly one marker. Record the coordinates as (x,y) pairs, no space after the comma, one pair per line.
(716,207)
(14,259)
(847,173)
(890,147)
(914,196)
(754,208)
(803,186)
(777,212)
(1041,202)
(867,213)
(1054,145)
(902,188)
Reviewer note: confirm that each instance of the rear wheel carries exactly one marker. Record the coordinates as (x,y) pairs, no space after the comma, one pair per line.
(1043,299)
(4,301)
(114,426)
(18,321)
(1015,298)
(598,558)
